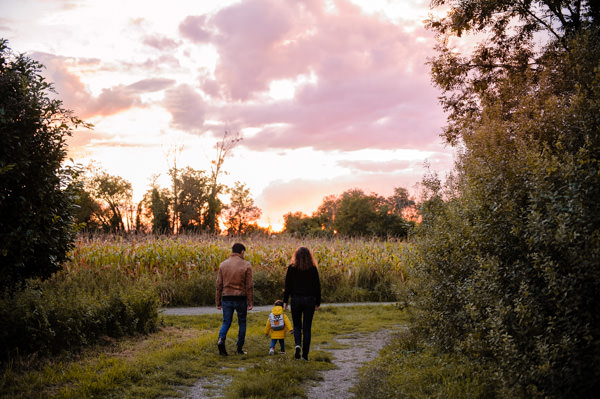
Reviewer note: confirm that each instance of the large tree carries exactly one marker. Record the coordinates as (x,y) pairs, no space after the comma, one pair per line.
(241,211)
(193,198)
(510,246)
(36,200)
(113,194)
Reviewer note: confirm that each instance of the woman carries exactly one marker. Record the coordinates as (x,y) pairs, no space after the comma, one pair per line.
(303,285)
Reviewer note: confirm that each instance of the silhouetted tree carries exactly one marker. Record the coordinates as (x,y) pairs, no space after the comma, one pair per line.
(37,228)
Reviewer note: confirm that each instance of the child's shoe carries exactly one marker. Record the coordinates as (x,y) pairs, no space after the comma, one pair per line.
(282,353)
(271,351)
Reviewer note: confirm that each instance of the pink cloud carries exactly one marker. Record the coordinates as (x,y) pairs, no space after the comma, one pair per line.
(160,42)
(372,87)
(193,28)
(73,93)
(186,106)
(375,166)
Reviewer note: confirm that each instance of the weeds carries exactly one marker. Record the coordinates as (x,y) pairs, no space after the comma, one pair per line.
(183,351)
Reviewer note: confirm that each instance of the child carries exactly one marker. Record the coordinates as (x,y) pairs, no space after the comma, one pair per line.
(277,324)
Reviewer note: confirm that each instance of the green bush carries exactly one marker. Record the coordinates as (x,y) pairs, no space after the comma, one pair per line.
(70,311)
(409,368)
(509,259)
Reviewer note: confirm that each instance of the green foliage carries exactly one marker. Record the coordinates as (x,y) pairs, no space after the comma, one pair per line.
(355,214)
(509,249)
(407,368)
(183,268)
(36,202)
(159,209)
(73,310)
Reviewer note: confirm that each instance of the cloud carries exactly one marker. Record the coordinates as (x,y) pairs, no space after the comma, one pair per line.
(370,87)
(194,28)
(150,85)
(160,42)
(186,106)
(75,96)
(375,166)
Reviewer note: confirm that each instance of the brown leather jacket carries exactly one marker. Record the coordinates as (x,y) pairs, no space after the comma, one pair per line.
(235,279)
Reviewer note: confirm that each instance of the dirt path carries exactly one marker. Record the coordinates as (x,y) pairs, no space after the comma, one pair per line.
(357,350)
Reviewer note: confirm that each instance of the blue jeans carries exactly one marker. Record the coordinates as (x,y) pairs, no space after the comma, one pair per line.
(241,307)
(303,310)
(281,344)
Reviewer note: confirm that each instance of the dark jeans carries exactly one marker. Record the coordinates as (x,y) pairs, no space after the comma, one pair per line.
(241,307)
(303,310)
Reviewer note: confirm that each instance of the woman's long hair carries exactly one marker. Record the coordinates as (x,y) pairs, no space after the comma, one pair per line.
(303,259)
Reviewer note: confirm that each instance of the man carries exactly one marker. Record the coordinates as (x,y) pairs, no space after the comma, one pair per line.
(234,292)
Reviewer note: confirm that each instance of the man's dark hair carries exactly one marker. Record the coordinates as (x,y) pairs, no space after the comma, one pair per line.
(238,248)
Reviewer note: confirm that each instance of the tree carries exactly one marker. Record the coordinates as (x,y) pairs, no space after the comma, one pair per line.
(224,147)
(400,200)
(509,246)
(193,198)
(355,212)
(36,199)
(172,155)
(114,195)
(241,211)
(157,201)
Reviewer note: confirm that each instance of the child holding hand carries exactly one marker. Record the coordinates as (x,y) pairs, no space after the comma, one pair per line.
(277,324)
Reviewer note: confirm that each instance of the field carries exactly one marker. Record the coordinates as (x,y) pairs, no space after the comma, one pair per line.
(183,268)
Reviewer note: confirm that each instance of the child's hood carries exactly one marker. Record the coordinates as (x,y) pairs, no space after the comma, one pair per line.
(277,310)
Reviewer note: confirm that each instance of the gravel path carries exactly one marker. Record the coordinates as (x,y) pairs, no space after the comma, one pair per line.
(267,308)
(356,350)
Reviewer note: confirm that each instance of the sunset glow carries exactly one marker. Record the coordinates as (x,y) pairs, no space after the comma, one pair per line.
(328,94)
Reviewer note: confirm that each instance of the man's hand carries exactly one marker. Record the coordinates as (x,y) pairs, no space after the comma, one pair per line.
(285,306)
(219,307)
(250,307)
(316,308)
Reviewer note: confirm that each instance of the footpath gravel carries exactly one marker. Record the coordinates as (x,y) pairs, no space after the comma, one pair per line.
(193,311)
(355,351)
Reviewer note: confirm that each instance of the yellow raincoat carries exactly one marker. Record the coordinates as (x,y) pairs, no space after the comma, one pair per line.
(278,334)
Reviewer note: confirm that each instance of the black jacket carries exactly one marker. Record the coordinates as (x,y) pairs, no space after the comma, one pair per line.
(302,283)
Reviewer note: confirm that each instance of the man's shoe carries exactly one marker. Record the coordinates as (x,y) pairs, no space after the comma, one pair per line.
(240,351)
(297,354)
(221,346)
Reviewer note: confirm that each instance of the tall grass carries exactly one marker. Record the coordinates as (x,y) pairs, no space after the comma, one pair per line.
(183,268)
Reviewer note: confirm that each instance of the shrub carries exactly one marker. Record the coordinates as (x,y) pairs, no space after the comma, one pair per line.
(70,311)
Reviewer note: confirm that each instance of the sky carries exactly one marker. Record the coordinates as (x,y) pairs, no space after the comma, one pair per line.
(328,95)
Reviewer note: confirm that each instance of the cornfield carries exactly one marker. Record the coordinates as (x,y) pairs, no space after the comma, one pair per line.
(183,268)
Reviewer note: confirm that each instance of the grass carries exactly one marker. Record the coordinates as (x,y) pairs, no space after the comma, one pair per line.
(407,368)
(162,364)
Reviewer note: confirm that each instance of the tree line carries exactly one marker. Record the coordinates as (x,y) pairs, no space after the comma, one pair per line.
(354,213)
(191,204)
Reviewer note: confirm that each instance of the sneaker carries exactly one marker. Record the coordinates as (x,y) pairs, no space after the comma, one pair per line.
(282,353)
(305,357)
(271,351)
(240,351)
(297,354)
(221,346)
